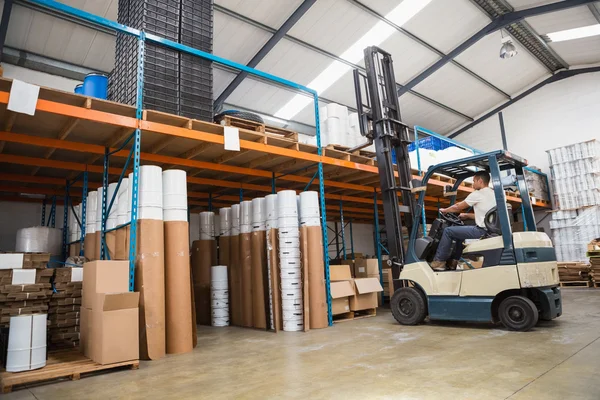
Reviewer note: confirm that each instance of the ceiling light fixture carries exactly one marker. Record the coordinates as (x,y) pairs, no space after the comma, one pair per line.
(508,49)
(334,71)
(576,33)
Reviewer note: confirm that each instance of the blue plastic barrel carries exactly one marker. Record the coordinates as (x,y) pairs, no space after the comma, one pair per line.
(95,85)
(79,89)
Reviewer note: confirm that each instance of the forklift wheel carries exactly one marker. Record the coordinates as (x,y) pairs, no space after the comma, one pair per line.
(518,313)
(408,306)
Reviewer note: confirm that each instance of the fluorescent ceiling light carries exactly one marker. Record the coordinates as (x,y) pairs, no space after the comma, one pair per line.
(576,33)
(334,71)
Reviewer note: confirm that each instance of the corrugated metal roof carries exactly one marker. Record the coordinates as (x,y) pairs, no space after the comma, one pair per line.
(451,85)
(269,12)
(512,74)
(416,111)
(236,40)
(559,21)
(579,51)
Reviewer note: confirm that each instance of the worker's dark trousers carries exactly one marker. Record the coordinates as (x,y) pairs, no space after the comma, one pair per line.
(459,234)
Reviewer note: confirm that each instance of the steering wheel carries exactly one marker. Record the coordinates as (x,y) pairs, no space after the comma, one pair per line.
(452,219)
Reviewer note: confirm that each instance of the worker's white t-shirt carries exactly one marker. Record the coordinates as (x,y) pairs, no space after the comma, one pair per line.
(482,201)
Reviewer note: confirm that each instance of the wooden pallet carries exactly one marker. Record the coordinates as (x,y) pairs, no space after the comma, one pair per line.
(258,127)
(583,284)
(61,364)
(595,284)
(354,315)
(593,253)
(361,152)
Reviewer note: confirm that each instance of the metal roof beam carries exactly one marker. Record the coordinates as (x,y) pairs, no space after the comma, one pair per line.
(559,76)
(428,46)
(262,53)
(496,24)
(325,53)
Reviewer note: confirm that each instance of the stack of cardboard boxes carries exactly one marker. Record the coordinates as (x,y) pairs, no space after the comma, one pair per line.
(64,308)
(353,294)
(24,285)
(109,313)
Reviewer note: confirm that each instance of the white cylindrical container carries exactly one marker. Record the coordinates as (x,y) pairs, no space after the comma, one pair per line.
(39,239)
(290,252)
(99,195)
(207,222)
(246,213)
(290,263)
(217,225)
(287,222)
(291,282)
(289,242)
(219,295)
(124,203)
(26,342)
(289,232)
(271,207)
(309,205)
(173,215)
(174,186)
(112,188)
(291,273)
(90,213)
(235,220)
(225,221)
(258,214)
(151,187)
(287,205)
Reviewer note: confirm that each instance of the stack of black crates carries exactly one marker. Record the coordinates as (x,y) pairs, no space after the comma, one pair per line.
(174,82)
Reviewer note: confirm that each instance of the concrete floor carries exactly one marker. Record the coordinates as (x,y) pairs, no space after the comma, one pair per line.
(371,358)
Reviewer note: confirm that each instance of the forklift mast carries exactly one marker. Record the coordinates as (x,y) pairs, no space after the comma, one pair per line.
(380,121)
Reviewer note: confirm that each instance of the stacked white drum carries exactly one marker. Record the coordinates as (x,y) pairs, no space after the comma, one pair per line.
(150,204)
(271,226)
(225,222)
(235,220)
(98,218)
(123,203)
(74,228)
(207,225)
(174,188)
(219,291)
(258,214)
(245,217)
(90,217)
(111,221)
(289,260)
(309,209)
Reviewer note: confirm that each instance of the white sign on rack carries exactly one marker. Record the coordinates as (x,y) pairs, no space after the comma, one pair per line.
(232,138)
(23,97)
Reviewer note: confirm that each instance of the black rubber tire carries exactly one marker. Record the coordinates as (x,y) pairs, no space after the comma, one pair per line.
(239,114)
(408,306)
(518,313)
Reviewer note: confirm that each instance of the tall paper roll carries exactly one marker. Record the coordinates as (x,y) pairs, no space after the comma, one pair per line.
(246,278)
(259,272)
(316,278)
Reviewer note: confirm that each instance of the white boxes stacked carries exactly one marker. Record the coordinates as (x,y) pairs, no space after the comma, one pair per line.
(207,225)
(290,261)
(174,184)
(340,128)
(576,182)
(219,293)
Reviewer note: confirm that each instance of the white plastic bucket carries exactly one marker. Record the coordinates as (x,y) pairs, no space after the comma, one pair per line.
(175,215)
(287,212)
(174,201)
(309,200)
(219,293)
(286,198)
(287,222)
(291,307)
(271,206)
(291,273)
(174,182)
(271,224)
(220,321)
(219,285)
(225,221)
(291,283)
(259,227)
(310,222)
(295,294)
(259,211)
(26,343)
(218,273)
(289,242)
(219,303)
(293,326)
(246,212)
(289,252)
(245,228)
(155,213)
(289,263)
(286,233)
(90,228)
(292,315)
(220,313)
(151,186)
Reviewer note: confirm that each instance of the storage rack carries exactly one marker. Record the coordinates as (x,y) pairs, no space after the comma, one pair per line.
(217,178)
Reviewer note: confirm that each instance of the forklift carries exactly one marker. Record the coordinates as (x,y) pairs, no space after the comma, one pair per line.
(517,283)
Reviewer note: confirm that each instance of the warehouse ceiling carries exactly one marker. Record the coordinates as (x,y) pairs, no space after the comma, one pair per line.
(318,50)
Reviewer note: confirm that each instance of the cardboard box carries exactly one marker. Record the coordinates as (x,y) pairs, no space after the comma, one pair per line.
(366,266)
(85,326)
(104,277)
(365,294)
(340,293)
(339,273)
(113,334)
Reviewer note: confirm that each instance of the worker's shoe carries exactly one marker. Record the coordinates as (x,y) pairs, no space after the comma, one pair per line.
(438,265)
(452,264)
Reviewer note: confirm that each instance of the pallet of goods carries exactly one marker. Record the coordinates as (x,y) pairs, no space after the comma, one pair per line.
(574,274)
(594,254)
(64,308)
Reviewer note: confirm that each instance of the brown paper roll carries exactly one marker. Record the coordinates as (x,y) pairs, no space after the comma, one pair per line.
(273,250)
(89,246)
(246,278)
(201,263)
(74,249)
(122,243)
(224,250)
(259,266)
(111,244)
(178,297)
(150,282)
(235,290)
(97,247)
(214,253)
(305,283)
(193,306)
(316,278)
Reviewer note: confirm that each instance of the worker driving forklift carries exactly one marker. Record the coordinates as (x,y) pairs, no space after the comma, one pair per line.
(517,283)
